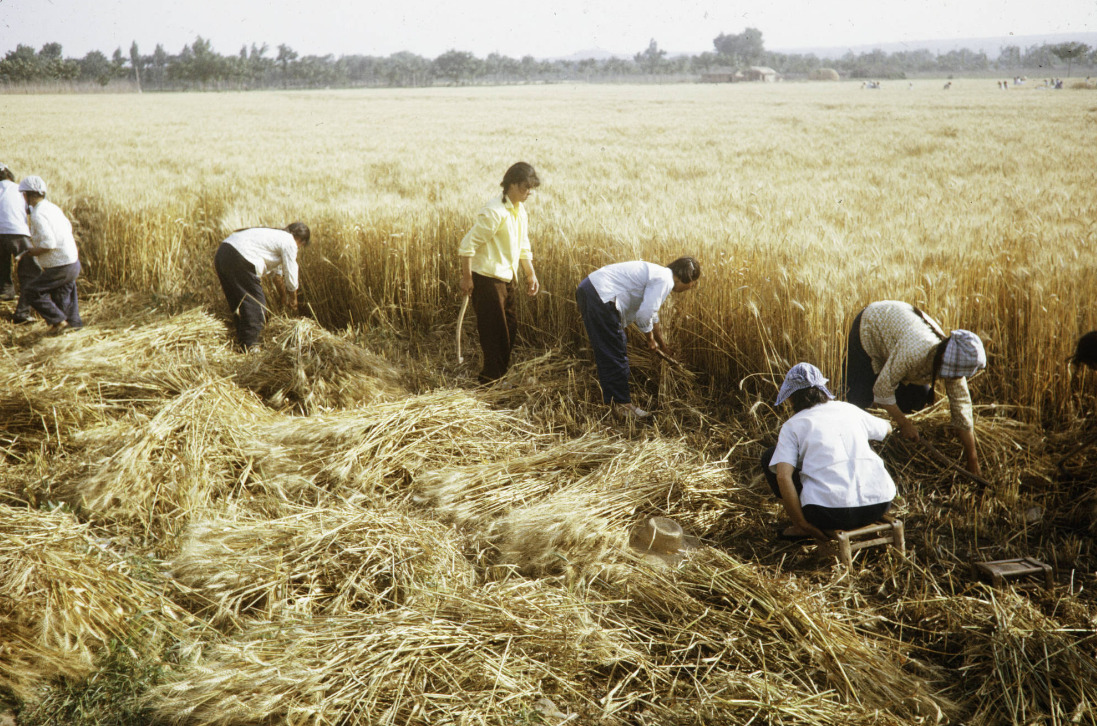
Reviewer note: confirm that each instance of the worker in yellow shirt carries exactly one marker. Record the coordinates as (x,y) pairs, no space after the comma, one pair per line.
(491,254)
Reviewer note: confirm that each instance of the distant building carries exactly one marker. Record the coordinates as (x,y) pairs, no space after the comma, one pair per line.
(761,73)
(730,75)
(719,75)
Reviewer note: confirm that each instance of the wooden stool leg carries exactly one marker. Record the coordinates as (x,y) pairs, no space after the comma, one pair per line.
(899,537)
(843,549)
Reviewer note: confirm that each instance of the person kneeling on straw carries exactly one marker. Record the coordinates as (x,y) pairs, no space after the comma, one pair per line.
(823,469)
(616,295)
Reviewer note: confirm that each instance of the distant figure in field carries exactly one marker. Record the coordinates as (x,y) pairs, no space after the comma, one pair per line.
(823,469)
(1086,352)
(14,232)
(491,253)
(910,85)
(948,85)
(895,355)
(243,259)
(615,296)
(52,290)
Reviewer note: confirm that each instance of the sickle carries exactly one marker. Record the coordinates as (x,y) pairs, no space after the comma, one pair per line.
(460,322)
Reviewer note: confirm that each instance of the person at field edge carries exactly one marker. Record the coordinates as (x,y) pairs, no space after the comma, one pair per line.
(51,291)
(616,295)
(896,353)
(491,253)
(823,468)
(243,259)
(1085,354)
(14,232)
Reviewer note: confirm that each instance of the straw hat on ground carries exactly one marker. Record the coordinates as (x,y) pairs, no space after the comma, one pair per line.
(662,541)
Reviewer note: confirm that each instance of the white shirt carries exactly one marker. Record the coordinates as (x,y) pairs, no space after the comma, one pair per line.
(51,230)
(13,209)
(272,251)
(828,443)
(637,289)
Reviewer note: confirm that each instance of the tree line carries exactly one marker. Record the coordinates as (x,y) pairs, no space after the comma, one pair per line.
(199,66)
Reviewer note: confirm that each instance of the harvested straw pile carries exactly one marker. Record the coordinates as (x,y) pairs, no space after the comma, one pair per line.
(453,556)
(317,563)
(379,450)
(485,653)
(1014,664)
(155,473)
(64,597)
(306,370)
(567,506)
(85,378)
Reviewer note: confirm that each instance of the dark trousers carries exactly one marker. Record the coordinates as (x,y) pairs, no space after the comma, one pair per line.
(244,291)
(497,323)
(10,246)
(607,338)
(824,517)
(52,293)
(860,378)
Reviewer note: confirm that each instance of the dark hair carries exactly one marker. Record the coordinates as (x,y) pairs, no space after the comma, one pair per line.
(6,175)
(805,398)
(686,269)
(300,231)
(520,173)
(1086,352)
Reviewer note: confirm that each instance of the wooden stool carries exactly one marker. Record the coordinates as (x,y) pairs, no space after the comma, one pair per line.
(887,531)
(1001,570)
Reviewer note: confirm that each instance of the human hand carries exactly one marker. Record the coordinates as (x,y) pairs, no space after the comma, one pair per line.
(907,431)
(466,285)
(533,285)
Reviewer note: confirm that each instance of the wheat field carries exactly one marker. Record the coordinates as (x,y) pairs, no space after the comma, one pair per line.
(344,529)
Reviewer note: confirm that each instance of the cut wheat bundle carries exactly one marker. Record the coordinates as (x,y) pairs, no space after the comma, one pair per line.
(153,474)
(306,369)
(65,596)
(480,656)
(1015,664)
(380,449)
(316,562)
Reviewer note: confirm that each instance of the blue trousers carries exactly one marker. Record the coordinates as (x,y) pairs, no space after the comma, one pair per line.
(607,338)
(53,293)
(244,291)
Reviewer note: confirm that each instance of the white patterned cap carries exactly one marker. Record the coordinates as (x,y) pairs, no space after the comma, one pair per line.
(799,377)
(964,355)
(33,184)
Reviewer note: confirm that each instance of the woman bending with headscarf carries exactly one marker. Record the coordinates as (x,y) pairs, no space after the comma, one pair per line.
(895,355)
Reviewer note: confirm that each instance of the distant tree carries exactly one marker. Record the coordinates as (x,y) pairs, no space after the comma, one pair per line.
(135,61)
(746,48)
(1069,52)
(95,67)
(1009,57)
(286,55)
(406,69)
(1039,56)
(618,67)
(456,65)
(159,64)
(20,65)
(652,59)
(118,64)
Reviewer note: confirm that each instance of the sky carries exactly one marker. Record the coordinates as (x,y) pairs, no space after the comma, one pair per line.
(546,29)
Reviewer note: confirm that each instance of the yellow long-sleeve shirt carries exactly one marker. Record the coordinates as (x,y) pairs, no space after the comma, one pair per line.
(498,239)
